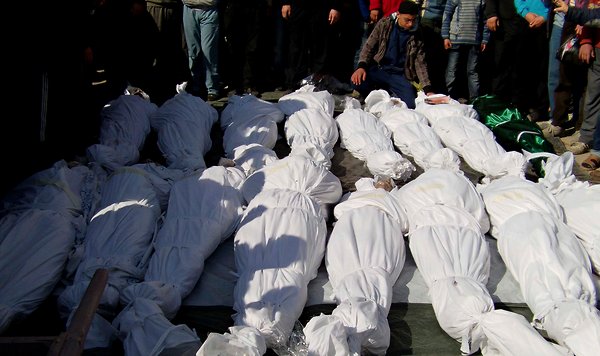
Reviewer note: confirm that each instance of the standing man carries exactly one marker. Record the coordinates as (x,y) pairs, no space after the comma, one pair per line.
(309,28)
(201,28)
(393,57)
(430,23)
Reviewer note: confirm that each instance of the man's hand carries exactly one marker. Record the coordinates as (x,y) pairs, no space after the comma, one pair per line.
(358,76)
(536,21)
(447,43)
(561,6)
(483,47)
(493,23)
(334,16)
(586,53)
(286,11)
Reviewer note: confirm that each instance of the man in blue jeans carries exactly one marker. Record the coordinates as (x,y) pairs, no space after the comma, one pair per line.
(393,57)
(201,29)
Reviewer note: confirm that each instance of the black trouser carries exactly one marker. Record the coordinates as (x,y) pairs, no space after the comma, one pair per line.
(309,42)
(243,29)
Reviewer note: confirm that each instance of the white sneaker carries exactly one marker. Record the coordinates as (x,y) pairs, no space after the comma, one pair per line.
(578,147)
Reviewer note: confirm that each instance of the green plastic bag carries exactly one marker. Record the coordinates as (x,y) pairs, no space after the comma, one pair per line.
(513,131)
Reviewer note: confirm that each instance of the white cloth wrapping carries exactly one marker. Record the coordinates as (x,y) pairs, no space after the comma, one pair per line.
(41,219)
(147,332)
(369,140)
(448,245)
(125,123)
(204,209)
(547,260)
(413,136)
(453,257)
(119,238)
(306,97)
(312,152)
(379,102)
(442,187)
(295,173)
(260,129)
(183,124)
(439,112)
(278,249)
(241,340)
(579,200)
(459,128)
(511,196)
(476,144)
(252,157)
(365,255)
(246,107)
(313,126)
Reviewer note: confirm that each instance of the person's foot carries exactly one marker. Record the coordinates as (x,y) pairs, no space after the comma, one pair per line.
(592,162)
(578,147)
(212,97)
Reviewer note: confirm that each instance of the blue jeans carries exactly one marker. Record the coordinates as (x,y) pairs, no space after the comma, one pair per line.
(553,63)
(394,82)
(455,54)
(201,29)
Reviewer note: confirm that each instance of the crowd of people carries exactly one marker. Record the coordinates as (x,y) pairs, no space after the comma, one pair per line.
(464,48)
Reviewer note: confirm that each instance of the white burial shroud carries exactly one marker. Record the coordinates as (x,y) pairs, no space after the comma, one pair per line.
(379,101)
(365,255)
(413,136)
(183,124)
(119,237)
(369,140)
(260,129)
(446,240)
(278,249)
(312,126)
(42,217)
(295,173)
(252,157)
(125,123)
(459,128)
(205,208)
(548,261)
(579,200)
(306,97)
(246,107)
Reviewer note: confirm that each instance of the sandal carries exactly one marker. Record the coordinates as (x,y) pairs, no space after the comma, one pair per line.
(591,162)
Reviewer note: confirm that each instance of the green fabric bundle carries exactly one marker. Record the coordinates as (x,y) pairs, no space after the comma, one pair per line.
(513,131)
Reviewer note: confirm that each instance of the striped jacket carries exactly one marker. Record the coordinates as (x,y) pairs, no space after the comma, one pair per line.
(415,67)
(464,23)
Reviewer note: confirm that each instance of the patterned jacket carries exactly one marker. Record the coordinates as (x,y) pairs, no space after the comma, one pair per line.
(415,68)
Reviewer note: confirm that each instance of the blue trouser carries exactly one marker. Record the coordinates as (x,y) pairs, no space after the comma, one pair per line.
(454,56)
(394,82)
(553,63)
(201,29)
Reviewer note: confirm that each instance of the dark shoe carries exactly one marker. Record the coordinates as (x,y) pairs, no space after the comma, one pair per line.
(212,97)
